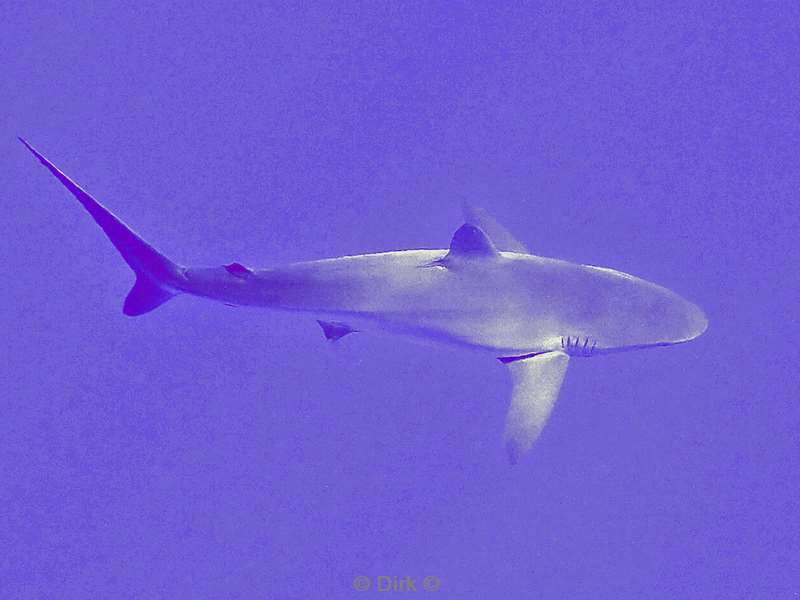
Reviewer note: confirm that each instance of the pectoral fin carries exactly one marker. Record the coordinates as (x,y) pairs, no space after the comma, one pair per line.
(536,382)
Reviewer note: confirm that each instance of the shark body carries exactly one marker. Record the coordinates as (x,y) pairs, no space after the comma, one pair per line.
(485,291)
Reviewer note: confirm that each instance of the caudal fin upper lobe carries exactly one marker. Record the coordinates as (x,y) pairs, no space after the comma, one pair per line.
(157,277)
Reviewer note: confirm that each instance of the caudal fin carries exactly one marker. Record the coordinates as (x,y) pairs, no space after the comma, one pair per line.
(145,295)
(156,275)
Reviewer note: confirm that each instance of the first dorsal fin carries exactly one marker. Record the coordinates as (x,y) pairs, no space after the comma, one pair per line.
(469,241)
(500,236)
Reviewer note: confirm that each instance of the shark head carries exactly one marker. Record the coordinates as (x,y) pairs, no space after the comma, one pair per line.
(669,318)
(644,315)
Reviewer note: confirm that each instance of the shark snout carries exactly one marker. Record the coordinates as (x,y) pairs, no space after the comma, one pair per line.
(668,318)
(698,322)
(693,321)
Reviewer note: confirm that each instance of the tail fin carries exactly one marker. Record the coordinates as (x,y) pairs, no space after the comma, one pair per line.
(145,295)
(156,275)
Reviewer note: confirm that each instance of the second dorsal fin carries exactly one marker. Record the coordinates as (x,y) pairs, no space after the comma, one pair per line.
(238,270)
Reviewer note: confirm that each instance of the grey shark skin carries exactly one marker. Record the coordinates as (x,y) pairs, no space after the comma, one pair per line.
(484,292)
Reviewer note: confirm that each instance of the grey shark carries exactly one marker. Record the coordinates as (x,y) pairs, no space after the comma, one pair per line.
(486,291)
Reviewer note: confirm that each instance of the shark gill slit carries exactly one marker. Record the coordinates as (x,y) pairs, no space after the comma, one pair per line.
(572,345)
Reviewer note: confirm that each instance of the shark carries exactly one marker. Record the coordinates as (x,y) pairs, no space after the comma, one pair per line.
(486,292)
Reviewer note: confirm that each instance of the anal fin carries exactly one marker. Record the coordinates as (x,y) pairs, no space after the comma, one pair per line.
(335,330)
